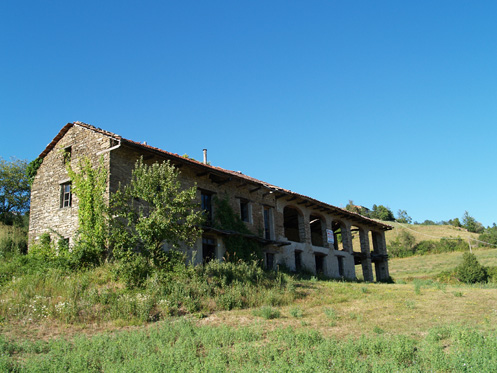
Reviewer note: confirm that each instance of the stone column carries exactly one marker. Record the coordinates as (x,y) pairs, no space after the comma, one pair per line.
(346,237)
(367,268)
(381,264)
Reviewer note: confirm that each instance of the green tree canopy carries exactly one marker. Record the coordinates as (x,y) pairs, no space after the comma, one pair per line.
(402,217)
(14,190)
(382,213)
(151,210)
(471,224)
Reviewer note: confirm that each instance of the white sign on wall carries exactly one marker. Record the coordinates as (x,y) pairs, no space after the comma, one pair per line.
(331,238)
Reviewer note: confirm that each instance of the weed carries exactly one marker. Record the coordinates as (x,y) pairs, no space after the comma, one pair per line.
(296,312)
(330,313)
(267,313)
(378,330)
(458,293)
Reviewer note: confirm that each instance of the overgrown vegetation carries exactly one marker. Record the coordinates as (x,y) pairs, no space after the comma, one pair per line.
(34,289)
(240,245)
(89,184)
(151,210)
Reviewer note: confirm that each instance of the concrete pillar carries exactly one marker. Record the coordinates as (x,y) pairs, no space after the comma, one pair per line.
(367,268)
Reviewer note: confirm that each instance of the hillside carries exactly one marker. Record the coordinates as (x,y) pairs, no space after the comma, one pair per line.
(421,233)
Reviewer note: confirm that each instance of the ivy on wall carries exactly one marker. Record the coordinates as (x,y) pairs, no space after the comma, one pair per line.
(238,247)
(89,185)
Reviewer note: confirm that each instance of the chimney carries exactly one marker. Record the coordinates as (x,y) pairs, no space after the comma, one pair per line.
(205,156)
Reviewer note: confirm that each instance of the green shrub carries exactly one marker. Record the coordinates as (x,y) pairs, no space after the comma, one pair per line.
(267,313)
(470,271)
(492,274)
(296,312)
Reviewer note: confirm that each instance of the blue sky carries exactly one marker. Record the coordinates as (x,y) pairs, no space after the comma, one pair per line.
(384,102)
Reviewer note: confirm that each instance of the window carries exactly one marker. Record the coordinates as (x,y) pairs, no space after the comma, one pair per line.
(268,215)
(341,271)
(208,249)
(292,223)
(65,195)
(207,206)
(67,154)
(245,210)
(319,263)
(298,261)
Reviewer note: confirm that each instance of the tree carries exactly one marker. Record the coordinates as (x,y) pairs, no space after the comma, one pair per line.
(14,190)
(471,224)
(402,217)
(382,213)
(470,271)
(151,210)
(455,222)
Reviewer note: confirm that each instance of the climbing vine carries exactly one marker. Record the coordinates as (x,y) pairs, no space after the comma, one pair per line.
(89,185)
(238,246)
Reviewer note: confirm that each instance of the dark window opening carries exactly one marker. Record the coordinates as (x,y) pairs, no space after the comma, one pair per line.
(65,195)
(267,223)
(341,272)
(244,211)
(269,260)
(316,231)
(319,263)
(67,154)
(298,260)
(291,223)
(206,198)
(208,249)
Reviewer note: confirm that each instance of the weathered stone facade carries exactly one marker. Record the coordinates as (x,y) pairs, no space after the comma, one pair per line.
(294,229)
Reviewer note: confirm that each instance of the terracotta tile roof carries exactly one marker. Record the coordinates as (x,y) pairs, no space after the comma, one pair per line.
(275,189)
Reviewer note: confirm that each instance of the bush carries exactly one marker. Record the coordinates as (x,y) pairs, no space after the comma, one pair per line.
(470,271)
(492,274)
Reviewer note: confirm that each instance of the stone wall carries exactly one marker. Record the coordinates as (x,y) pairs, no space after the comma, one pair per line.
(120,158)
(46,213)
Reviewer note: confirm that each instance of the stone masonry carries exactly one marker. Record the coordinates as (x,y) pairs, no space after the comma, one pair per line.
(319,235)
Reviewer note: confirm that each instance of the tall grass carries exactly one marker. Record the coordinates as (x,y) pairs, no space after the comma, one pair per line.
(32,290)
(182,346)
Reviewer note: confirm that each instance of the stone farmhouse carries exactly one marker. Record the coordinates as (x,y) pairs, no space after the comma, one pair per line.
(296,231)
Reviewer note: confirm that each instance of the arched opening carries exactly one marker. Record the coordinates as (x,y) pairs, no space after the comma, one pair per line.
(336,227)
(292,222)
(317,230)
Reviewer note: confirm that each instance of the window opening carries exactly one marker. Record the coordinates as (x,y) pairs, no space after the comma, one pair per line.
(208,249)
(244,211)
(298,261)
(319,263)
(67,154)
(291,223)
(65,195)
(206,198)
(340,266)
(267,223)
(269,260)
(316,231)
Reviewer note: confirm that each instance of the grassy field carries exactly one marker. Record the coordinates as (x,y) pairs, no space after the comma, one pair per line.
(333,325)
(429,232)
(55,320)
(428,266)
